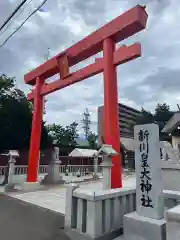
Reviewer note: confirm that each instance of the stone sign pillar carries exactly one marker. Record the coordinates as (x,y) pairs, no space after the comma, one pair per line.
(149,186)
(148,221)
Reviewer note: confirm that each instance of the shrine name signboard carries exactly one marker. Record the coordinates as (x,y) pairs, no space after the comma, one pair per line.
(149,188)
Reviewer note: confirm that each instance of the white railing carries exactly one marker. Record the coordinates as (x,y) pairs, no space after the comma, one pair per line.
(43,169)
(100,170)
(62,168)
(72,170)
(20,169)
(80,170)
(97,213)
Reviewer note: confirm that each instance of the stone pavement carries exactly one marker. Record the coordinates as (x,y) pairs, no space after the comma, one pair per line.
(22,178)
(43,219)
(55,198)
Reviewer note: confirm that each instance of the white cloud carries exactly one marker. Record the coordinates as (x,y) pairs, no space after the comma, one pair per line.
(143,82)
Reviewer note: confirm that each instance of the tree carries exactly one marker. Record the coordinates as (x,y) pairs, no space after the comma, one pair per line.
(161,116)
(145,117)
(64,135)
(5,85)
(15,117)
(92,139)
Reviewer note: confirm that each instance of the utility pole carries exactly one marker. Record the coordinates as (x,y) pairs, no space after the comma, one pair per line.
(86,123)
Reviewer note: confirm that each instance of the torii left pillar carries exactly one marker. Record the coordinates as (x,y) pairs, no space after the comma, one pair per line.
(35,133)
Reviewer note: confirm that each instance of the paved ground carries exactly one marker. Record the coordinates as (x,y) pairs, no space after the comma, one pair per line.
(55,198)
(119,238)
(22,178)
(43,219)
(23,221)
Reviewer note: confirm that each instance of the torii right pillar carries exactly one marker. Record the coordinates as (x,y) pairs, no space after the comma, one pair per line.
(111,121)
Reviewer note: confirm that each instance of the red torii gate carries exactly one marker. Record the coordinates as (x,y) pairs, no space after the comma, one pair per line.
(104,39)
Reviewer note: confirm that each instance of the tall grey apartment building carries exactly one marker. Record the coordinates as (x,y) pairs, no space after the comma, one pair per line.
(127,119)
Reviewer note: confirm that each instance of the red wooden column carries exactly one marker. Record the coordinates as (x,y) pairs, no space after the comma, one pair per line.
(35,133)
(111,125)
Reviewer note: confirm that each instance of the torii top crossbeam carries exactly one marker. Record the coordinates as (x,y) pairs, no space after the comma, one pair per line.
(104,39)
(118,29)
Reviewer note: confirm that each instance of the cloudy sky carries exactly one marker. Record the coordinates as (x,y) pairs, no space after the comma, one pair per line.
(155,77)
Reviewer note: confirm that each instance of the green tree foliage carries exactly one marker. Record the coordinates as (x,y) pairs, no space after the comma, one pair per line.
(161,116)
(65,135)
(145,117)
(15,117)
(92,139)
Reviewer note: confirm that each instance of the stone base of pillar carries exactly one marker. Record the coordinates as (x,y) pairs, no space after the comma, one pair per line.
(138,227)
(50,179)
(173,223)
(24,187)
(73,234)
(30,186)
(53,176)
(95,177)
(9,187)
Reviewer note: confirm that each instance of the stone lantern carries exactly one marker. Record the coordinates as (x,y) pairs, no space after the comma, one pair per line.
(53,176)
(12,154)
(106,151)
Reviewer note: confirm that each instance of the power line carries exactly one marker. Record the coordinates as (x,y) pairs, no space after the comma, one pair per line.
(23,23)
(12,14)
(20,12)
